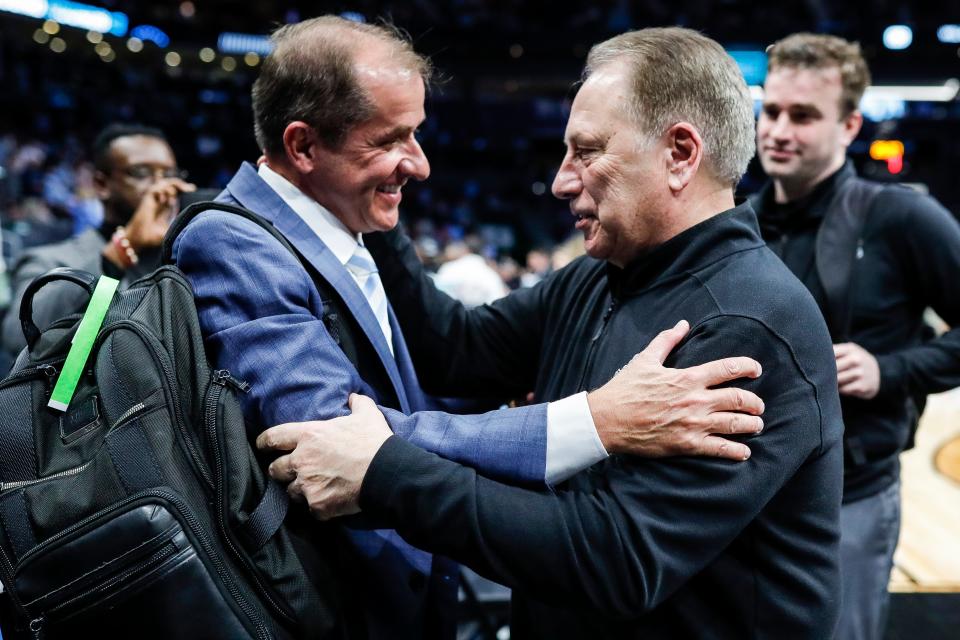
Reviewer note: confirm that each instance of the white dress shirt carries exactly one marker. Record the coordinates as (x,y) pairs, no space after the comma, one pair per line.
(572,440)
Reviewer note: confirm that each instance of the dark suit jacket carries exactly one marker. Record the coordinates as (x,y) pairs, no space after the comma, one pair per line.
(670,548)
(59,299)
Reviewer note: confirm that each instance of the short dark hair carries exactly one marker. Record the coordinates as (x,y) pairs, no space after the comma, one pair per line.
(101,144)
(821,51)
(309,76)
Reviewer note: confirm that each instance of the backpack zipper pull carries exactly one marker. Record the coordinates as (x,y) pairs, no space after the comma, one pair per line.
(51,372)
(36,627)
(224,379)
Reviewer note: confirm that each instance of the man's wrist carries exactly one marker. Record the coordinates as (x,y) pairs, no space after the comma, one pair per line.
(376,489)
(111,254)
(892,373)
(603,418)
(573,443)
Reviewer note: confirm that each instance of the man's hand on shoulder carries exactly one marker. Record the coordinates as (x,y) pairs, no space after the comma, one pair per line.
(650,410)
(328,459)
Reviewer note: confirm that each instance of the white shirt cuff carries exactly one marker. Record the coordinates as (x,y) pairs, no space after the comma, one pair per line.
(572,440)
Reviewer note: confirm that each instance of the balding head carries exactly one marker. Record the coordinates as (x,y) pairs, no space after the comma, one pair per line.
(312,76)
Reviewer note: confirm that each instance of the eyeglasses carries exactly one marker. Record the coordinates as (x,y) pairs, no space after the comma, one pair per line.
(144,171)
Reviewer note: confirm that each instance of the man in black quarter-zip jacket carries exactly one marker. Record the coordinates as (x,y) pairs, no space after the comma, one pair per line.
(660,132)
(874,257)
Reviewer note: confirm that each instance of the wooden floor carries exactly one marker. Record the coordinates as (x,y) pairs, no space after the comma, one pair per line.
(928,556)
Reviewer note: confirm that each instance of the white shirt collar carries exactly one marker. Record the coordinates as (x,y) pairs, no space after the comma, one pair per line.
(321,221)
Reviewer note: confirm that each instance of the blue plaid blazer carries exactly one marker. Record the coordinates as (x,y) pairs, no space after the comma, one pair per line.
(261,318)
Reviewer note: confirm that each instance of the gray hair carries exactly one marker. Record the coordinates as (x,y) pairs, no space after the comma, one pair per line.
(680,75)
(310,77)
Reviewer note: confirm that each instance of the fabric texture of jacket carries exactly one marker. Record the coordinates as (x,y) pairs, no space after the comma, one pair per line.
(908,259)
(682,547)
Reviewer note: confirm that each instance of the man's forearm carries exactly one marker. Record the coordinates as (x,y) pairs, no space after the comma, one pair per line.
(459,352)
(928,368)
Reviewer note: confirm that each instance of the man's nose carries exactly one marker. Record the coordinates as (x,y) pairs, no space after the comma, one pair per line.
(780,127)
(415,164)
(567,183)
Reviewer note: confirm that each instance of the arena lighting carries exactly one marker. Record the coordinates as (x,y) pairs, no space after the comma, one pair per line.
(150,33)
(897,37)
(889,150)
(752,63)
(73,14)
(880,108)
(949,33)
(353,16)
(229,42)
(910,93)
(885,149)
(918,93)
(29,8)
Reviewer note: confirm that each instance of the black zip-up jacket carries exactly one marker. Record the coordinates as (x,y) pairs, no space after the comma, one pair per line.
(682,547)
(910,260)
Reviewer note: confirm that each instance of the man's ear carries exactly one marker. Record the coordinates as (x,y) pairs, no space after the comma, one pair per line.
(100,186)
(684,148)
(299,145)
(851,127)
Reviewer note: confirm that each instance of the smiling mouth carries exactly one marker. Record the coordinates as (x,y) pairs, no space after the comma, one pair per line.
(780,152)
(389,188)
(584,221)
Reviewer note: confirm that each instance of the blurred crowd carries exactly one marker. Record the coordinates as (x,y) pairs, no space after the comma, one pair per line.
(47,195)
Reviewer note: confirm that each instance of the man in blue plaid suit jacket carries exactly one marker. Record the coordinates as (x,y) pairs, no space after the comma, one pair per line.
(336,108)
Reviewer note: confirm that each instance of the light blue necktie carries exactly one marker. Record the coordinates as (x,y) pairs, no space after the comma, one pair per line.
(363,269)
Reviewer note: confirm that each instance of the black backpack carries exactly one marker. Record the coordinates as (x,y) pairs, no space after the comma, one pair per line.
(142,511)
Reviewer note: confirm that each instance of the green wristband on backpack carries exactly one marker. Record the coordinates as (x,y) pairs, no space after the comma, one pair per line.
(82,343)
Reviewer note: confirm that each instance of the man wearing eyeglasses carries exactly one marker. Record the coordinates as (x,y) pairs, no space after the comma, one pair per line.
(138,182)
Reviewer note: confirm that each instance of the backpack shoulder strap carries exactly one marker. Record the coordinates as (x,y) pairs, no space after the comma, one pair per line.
(839,245)
(187,215)
(335,316)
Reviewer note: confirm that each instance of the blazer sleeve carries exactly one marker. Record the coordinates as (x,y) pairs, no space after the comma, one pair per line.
(488,351)
(637,529)
(260,316)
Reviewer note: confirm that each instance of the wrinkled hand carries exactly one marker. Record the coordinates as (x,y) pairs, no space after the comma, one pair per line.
(653,411)
(328,459)
(858,373)
(149,222)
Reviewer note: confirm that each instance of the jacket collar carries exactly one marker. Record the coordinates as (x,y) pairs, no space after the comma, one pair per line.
(713,239)
(812,206)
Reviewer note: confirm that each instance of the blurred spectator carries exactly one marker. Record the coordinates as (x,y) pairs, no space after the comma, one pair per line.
(509,272)
(69,187)
(538,266)
(137,181)
(468,277)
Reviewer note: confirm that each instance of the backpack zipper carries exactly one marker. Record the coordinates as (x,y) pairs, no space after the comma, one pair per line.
(193,524)
(170,386)
(126,417)
(220,380)
(156,558)
(6,486)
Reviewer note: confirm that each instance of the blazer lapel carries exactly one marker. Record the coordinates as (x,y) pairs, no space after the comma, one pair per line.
(252,192)
(405,364)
